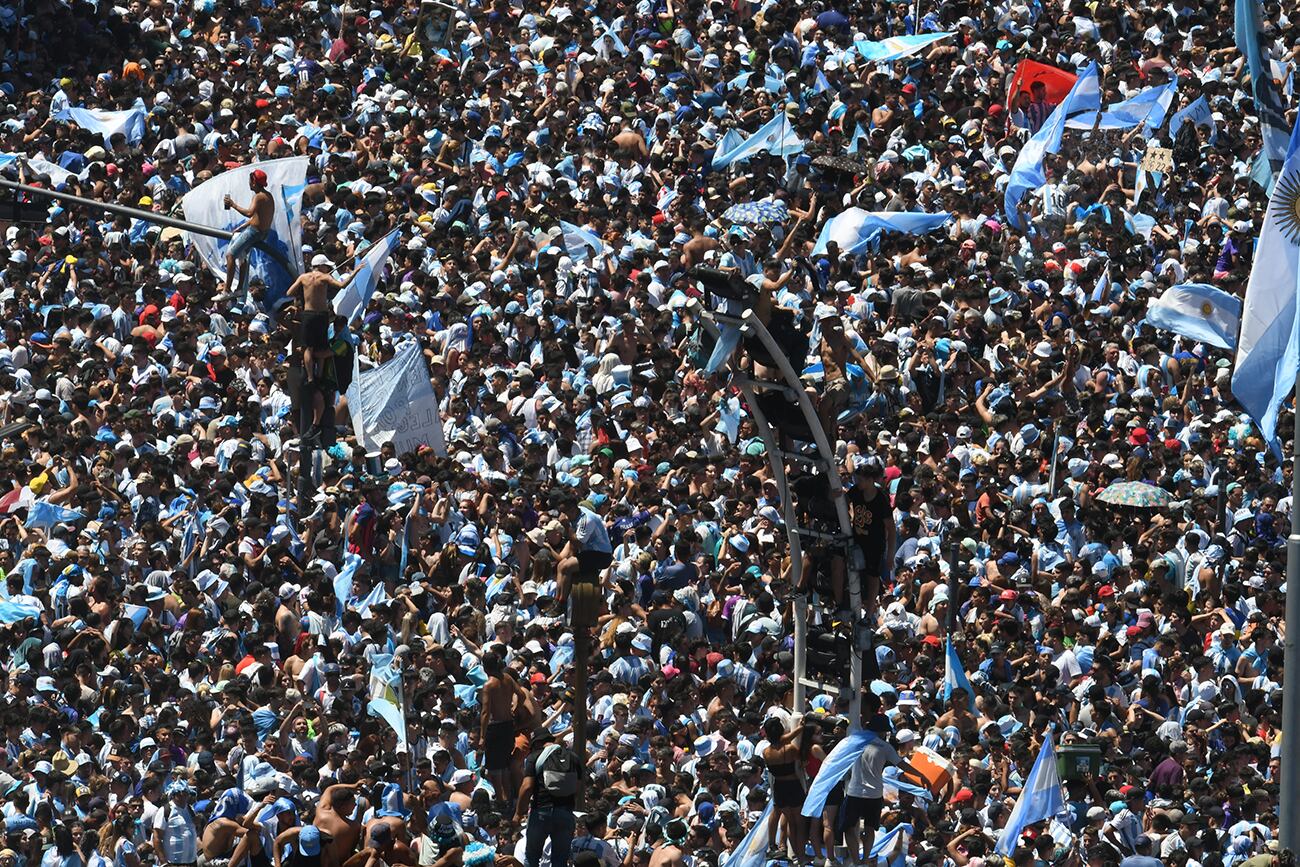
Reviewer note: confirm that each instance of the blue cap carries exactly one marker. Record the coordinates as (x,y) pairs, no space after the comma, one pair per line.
(309,840)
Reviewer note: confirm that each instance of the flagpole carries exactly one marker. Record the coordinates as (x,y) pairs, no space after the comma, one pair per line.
(1289,784)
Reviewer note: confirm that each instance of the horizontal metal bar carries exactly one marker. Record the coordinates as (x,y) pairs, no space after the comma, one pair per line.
(114,208)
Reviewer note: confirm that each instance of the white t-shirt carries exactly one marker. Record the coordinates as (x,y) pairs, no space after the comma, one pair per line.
(180,839)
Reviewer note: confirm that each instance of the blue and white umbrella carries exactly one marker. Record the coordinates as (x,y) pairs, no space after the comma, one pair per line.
(757,213)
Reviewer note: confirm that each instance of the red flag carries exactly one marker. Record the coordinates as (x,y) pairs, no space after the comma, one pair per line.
(1057,81)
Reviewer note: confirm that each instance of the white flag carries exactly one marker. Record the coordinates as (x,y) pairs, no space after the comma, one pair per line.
(396,403)
(286,180)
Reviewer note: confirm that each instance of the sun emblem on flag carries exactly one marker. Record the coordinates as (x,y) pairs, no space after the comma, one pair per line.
(1286,206)
(1206,308)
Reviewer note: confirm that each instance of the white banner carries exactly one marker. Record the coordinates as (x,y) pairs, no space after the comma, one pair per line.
(286,180)
(396,403)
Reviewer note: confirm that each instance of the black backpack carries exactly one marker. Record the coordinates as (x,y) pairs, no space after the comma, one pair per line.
(557,772)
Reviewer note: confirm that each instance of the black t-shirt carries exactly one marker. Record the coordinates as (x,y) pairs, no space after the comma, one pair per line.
(869,520)
(541,798)
(665,625)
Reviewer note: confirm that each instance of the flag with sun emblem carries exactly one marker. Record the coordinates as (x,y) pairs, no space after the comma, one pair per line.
(1268,350)
(1199,312)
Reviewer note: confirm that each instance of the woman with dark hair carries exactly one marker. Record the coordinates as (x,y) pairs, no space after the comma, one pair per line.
(782,759)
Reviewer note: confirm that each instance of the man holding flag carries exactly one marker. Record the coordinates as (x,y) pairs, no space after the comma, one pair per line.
(864,799)
(315,288)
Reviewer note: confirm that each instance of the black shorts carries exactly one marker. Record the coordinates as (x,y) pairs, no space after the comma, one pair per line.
(314,330)
(591,563)
(836,796)
(787,792)
(499,746)
(864,810)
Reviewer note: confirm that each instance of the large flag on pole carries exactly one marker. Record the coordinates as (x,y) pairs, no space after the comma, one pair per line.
(369,265)
(1268,100)
(1028,174)
(1268,348)
(954,676)
(777,137)
(278,260)
(1198,311)
(1040,799)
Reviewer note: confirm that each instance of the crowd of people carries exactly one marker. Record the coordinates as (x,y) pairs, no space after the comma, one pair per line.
(186,681)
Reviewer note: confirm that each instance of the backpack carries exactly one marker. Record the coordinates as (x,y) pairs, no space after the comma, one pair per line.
(557,772)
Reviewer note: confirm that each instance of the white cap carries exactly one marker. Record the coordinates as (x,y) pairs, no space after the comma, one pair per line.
(320,259)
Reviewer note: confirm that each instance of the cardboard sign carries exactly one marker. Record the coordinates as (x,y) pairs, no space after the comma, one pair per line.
(1158,160)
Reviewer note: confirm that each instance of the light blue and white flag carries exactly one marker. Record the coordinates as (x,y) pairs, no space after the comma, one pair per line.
(344,580)
(377,594)
(109,123)
(954,676)
(857,231)
(1268,101)
(838,762)
(580,242)
(1147,108)
(278,260)
(1198,311)
(1268,348)
(1197,112)
(731,139)
(776,137)
(396,403)
(369,267)
(897,47)
(608,41)
(894,843)
(391,714)
(859,136)
(1028,174)
(752,851)
(43,515)
(1040,799)
(12,612)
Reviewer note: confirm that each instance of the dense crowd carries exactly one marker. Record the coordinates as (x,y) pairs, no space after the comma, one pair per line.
(185,679)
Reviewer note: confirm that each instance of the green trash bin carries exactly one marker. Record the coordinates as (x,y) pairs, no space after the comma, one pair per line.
(1075,761)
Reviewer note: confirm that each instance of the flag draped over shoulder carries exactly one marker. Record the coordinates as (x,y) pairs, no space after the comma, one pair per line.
(1268,347)
(839,761)
(752,851)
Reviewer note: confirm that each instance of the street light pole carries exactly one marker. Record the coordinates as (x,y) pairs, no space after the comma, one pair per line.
(114,208)
(1289,785)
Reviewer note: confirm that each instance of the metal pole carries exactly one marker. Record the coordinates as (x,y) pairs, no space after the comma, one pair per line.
(954,587)
(1289,785)
(113,208)
(581,656)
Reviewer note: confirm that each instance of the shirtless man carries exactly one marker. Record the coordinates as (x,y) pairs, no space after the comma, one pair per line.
(253,231)
(497,724)
(334,817)
(673,851)
(835,351)
(316,287)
